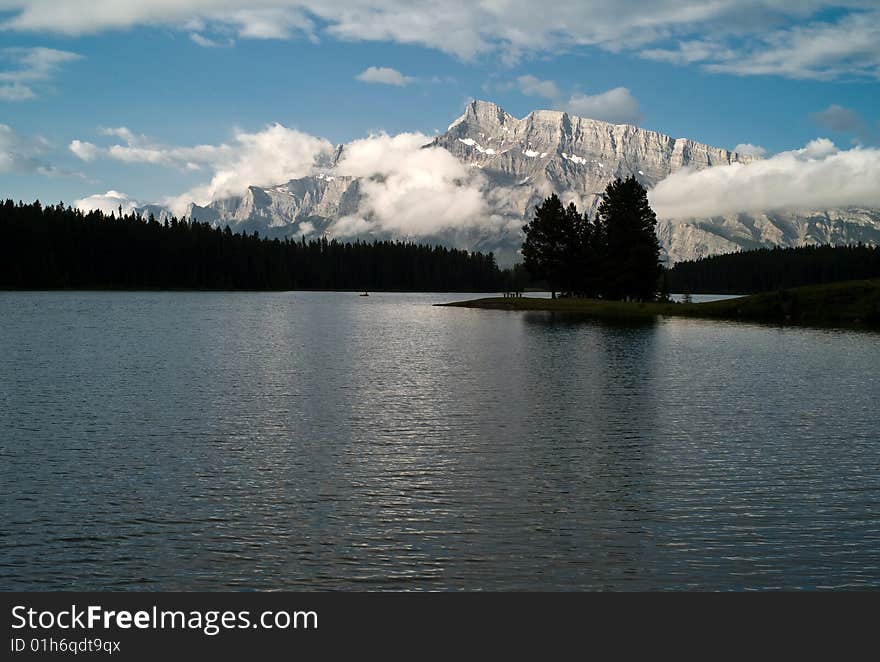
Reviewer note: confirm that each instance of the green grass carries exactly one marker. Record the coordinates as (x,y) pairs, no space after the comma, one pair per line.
(849,304)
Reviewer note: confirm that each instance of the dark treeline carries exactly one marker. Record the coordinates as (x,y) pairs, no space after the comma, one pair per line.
(768,269)
(56,247)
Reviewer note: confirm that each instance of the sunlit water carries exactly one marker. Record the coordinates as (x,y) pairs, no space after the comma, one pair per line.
(330,441)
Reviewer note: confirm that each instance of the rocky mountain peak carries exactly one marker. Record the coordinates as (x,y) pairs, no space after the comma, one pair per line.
(517,162)
(481,115)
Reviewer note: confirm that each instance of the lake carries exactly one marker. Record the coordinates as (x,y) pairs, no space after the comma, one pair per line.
(210,441)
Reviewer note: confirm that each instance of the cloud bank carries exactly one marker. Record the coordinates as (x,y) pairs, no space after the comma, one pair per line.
(819,176)
(273,155)
(820,39)
(412,190)
(406,188)
(409,189)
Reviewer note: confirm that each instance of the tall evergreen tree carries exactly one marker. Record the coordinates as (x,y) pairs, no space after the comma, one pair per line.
(575,229)
(547,247)
(629,247)
(588,257)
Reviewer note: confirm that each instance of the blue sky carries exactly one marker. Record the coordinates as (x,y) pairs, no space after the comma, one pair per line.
(196,72)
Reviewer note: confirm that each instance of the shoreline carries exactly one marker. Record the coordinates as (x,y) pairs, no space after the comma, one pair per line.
(850,304)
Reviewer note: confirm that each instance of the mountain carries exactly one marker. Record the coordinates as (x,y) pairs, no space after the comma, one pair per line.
(516,163)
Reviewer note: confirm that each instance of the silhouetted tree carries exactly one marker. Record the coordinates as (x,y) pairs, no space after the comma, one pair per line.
(588,257)
(547,249)
(615,257)
(576,229)
(630,252)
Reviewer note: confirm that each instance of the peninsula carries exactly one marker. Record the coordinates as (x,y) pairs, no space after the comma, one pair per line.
(844,304)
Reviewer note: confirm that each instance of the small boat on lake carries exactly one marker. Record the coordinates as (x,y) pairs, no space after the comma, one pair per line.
(365,294)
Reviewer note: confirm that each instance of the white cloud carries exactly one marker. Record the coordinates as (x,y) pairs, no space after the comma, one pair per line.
(819,50)
(352,226)
(30,67)
(140,149)
(689,52)
(108,202)
(20,154)
(385,76)
(535,87)
(16,92)
(748,149)
(125,133)
(34,64)
(804,39)
(202,41)
(85,151)
(618,106)
(273,155)
(269,22)
(409,189)
(819,176)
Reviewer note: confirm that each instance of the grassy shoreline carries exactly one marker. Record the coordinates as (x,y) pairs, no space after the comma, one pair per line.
(846,304)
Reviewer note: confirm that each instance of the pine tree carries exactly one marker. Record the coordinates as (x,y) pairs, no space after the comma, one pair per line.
(587,257)
(574,237)
(629,248)
(546,250)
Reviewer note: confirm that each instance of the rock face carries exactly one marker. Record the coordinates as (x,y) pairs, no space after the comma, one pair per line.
(570,154)
(299,207)
(549,151)
(524,160)
(691,239)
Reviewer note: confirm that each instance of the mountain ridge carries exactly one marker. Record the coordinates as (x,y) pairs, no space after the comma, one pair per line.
(515,163)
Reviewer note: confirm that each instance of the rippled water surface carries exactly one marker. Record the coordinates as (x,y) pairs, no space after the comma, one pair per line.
(329,441)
